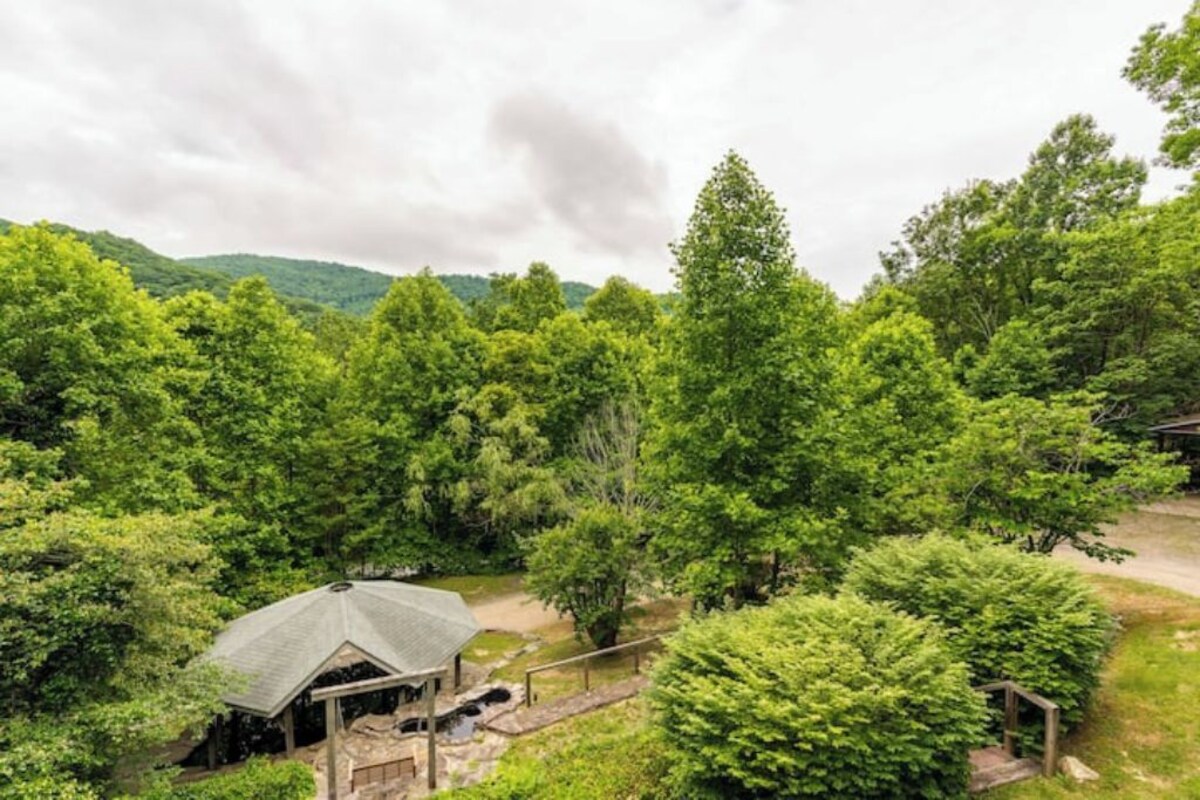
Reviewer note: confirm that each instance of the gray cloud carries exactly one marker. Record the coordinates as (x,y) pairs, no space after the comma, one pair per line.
(397,135)
(587,174)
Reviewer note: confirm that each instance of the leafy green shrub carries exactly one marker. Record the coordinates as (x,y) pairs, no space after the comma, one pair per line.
(1007,614)
(259,779)
(815,697)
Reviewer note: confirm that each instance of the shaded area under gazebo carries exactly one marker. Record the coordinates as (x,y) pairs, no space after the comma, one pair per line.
(393,639)
(1182,435)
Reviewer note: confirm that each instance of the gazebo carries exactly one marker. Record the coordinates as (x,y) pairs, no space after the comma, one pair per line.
(411,633)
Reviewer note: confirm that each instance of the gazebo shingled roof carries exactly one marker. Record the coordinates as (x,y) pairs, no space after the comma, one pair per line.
(1180,426)
(281,648)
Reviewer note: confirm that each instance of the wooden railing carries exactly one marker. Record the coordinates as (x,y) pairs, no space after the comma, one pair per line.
(1012,691)
(585,659)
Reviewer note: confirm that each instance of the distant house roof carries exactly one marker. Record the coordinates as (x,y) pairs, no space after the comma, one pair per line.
(1180,426)
(399,627)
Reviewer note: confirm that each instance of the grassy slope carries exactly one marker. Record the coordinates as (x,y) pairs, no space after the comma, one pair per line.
(610,753)
(1142,733)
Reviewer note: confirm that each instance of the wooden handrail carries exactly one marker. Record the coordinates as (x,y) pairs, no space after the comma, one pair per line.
(1033,697)
(1050,709)
(584,658)
(594,654)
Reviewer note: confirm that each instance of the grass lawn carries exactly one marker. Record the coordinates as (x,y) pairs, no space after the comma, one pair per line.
(476,589)
(491,646)
(1142,733)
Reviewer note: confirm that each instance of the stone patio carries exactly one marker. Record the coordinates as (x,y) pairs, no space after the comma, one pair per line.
(375,738)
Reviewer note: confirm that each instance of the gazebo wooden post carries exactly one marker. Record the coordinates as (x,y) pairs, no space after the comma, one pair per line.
(235,734)
(289,730)
(431,727)
(330,745)
(214,741)
(457,670)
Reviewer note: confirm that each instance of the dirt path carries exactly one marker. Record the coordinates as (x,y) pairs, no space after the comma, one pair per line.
(520,613)
(1166,538)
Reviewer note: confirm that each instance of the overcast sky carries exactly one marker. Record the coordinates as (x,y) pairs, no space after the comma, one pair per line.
(479,136)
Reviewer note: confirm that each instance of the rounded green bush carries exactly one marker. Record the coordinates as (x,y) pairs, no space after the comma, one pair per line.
(1007,614)
(815,697)
(258,779)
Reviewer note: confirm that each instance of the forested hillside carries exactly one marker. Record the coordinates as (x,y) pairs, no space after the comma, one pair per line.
(351,289)
(173,457)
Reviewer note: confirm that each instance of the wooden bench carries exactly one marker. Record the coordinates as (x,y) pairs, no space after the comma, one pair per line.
(382,772)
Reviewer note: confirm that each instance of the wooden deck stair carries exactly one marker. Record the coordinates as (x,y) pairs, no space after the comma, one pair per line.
(993,766)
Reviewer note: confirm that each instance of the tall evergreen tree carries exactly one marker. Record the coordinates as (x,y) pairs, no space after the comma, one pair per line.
(743,381)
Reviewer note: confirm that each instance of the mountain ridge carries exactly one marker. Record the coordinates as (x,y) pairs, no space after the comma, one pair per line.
(306,286)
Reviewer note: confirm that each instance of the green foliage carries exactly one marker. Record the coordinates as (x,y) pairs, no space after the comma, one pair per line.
(626,307)
(417,356)
(590,566)
(585,568)
(506,489)
(88,365)
(1166,66)
(409,471)
(576,293)
(99,620)
(257,779)
(743,378)
(566,371)
(259,396)
(1123,315)
(1008,615)
(348,288)
(1043,473)
(815,697)
(467,288)
(1017,361)
(972,260)
(900,406)
(159,275)
(520,303)
(351,289)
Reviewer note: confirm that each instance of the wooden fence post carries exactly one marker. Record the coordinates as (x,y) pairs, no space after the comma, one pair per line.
(1050,747)
(586,677)
(528,689)
(1010,721)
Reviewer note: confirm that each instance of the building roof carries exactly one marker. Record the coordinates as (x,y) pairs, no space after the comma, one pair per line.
(281,648)
(1185,426)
